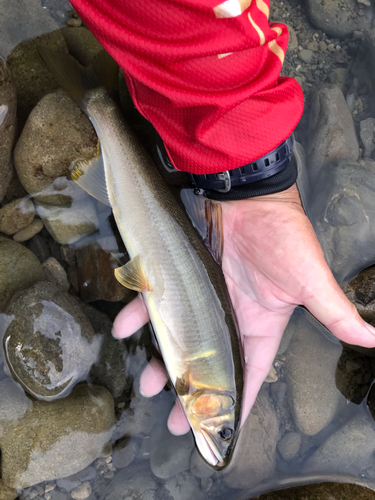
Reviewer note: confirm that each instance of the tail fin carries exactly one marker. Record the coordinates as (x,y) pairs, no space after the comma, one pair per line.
(77,80)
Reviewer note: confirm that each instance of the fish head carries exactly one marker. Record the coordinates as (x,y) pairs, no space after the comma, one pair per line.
(215,426)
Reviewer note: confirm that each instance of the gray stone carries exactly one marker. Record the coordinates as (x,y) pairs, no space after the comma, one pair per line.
(56,133)
(350,450)
(125,452)
(49,344)
(169,454)
(337,19)
(68,484)
(19,269)
(58,438)
(306,55)
(81,44)
(67,225)
(8,123)
(184,486)
(199,466)
(59,495)
(331,131)
(289,445)
(342,210)
(133,483)
(254,457)
(55,273)
(29,232)
(310,369)
(293,41)
(82,491)
(16,215)
(339,77)
(366,133)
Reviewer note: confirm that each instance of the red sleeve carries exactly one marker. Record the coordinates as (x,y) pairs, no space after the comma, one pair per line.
(206,75)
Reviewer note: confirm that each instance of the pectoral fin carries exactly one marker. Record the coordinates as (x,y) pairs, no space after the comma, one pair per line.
(133,276)
(182,385)
(90,176)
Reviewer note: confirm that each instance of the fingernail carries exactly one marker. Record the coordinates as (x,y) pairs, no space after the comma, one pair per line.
(371,329)
(142,393)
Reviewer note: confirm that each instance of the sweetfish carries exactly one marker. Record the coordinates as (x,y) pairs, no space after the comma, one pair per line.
(183,287)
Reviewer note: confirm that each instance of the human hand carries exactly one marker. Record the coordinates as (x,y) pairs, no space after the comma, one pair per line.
(272,262)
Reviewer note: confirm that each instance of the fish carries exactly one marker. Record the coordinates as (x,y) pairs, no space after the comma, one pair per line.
(181,283)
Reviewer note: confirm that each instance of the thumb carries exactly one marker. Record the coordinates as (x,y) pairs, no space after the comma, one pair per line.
(327,302)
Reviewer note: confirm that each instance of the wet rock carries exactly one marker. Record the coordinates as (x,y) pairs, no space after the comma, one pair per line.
(67,225)
(19,269)
(81,492)
(310,368)
(348,451)
(110,368)
(289,445)
(55,273)
(363,286)
(56,133)
(337,19)
(342,208)
(96,278)
(39,247)
(49,344)
(16,215)
(81,44)
(68,484)
(31,77)
(169,454)
(366,133)
(331,131)
(183,486)
(125,452)
(306,56)
(199,467)
(29,232)
(8,123)
(133,483)
(58,438)
(254,456)
(278,391)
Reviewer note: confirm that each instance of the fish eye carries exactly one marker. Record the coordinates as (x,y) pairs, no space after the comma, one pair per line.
(226,433)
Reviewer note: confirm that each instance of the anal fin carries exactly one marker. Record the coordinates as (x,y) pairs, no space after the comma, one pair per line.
(133,276)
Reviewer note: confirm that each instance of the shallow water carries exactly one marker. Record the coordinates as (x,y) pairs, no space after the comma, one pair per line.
(313,424)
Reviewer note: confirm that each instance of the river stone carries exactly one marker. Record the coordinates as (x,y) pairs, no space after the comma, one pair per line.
(56,133)
(19,268)
(16,215)
(31,77)
(331,131)
(310,369)
(8,123)
(337,19)
(169,454)
(125,452)
(254,458)
(56,439)
(289,445)
(50,344)
(81,44)
(55,273)
(342,209)
(82,491)
(29,232)
(67,225)
(183,486)
(133,483)
(350,450)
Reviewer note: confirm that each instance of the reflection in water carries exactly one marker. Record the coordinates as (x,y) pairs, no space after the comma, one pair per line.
(312,420)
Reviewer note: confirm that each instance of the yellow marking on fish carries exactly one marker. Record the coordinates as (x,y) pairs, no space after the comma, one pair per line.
(207,354)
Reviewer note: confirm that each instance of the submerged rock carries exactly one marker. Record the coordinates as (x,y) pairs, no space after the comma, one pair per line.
(52,440)
(16,215)
(49,344)
(184,486)
(57,132)
(19,269)
(331,132)
(8,108)
(310,369)
(254,458)
(55,273)
(133,483)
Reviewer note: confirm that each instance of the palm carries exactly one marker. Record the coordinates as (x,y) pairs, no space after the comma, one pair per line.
(272,262)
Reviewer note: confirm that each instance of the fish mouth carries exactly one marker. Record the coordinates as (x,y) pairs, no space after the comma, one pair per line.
(208,449)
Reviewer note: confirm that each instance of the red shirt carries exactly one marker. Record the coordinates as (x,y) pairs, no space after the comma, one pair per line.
(206,75)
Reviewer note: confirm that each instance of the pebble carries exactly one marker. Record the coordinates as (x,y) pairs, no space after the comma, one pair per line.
(16,215)
(29,232)
(49,487)
(81,492)
(322,46)
(55,273)
(289,445)
(306,55)
(74,23)
(125,452)
(314,46)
